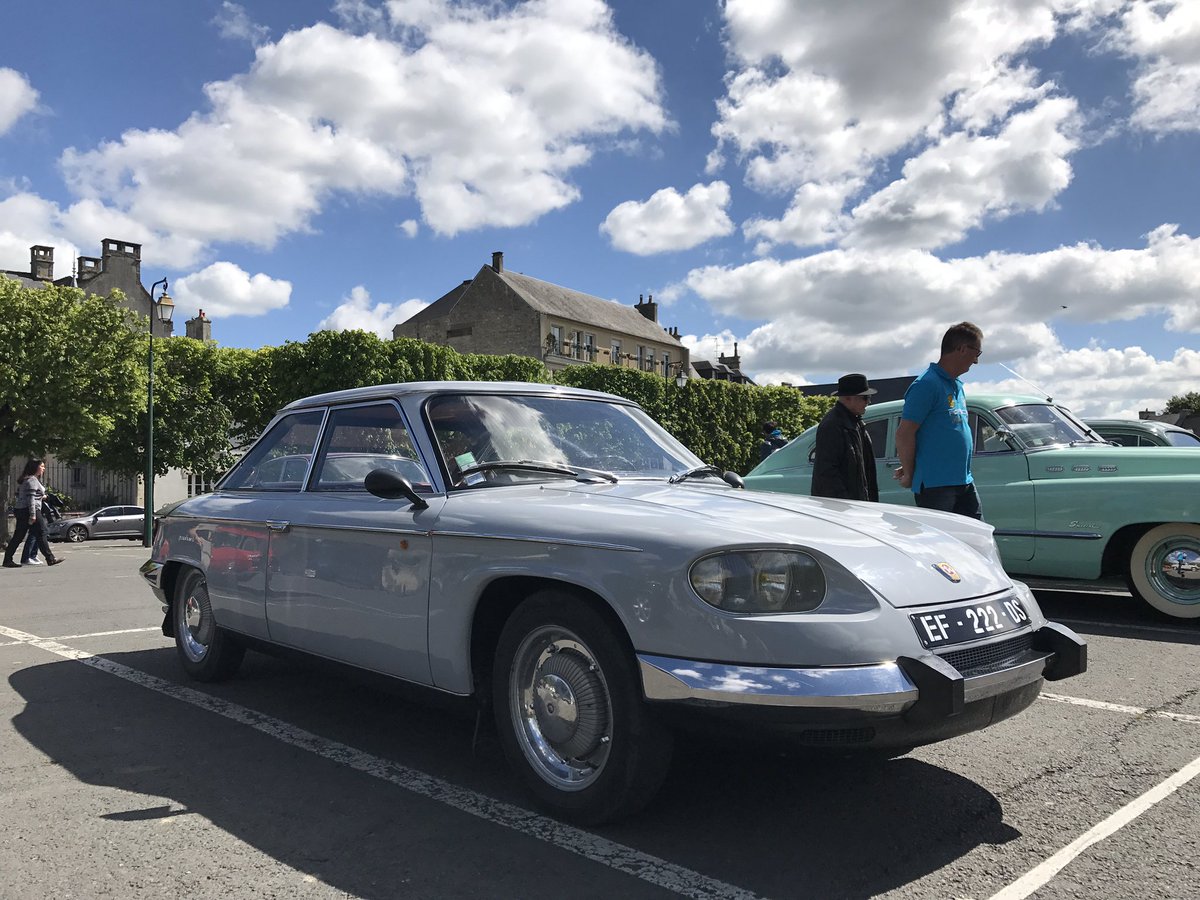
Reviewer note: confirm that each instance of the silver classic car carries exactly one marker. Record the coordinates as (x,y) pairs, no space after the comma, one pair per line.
(1065,503)
(556,555)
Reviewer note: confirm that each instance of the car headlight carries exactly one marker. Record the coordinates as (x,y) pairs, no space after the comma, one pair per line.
(759,581)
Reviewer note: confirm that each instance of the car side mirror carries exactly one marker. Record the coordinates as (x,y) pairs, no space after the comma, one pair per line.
(733,479)
(387,485)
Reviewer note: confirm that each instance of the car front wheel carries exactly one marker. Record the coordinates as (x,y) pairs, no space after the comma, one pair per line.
(208,653)
(570,714)
(1164,569)
(77,534)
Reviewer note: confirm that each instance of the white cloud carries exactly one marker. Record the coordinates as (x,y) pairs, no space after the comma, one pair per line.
(410,227)
(224,289)
(825,99)
(950,187)
(235,24)
(670,220)
(357,312)
(17,97)
(479,111)
(850,310)
(1164,36)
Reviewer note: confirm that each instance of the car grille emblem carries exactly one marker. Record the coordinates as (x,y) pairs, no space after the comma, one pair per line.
(949,571)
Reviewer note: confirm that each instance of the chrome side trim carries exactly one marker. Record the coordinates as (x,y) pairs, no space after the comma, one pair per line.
(1068,535)
(883,688)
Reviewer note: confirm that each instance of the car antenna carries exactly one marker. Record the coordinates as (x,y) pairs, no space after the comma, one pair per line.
(1049,399)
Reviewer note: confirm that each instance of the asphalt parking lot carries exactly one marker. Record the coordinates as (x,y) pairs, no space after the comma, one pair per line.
(119,778)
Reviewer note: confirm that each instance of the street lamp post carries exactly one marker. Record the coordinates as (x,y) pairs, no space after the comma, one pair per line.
(162,310)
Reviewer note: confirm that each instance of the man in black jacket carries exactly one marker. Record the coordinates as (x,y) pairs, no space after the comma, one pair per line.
(844,462)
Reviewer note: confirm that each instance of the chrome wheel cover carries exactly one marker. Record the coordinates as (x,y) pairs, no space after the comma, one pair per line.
(1173,568)
(76,534)
(194,620)
(561,708)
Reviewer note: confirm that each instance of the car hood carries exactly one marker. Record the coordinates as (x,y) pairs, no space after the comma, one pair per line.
(63,523)
(909,556)
(1105,460)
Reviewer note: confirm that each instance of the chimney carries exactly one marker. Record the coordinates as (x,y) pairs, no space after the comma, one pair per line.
(111,249)
(199,328)
(648,308)
(498,261)
(41,263)
(88,268)
(734,362)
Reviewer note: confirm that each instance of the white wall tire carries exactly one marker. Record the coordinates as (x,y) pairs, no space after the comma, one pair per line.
(1164,569)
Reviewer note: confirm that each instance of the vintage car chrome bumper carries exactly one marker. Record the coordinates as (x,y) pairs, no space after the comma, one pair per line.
(152,572)
(921,688)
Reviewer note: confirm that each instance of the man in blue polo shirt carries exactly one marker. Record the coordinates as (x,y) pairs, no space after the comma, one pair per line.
(934,440)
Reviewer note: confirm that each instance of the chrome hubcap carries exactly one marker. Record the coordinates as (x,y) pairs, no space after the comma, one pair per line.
(1173,566)
(561,709)
(194,625)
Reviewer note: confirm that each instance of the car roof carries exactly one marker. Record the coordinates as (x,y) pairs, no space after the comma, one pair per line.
(1137,424)
(992,401)
(380,391)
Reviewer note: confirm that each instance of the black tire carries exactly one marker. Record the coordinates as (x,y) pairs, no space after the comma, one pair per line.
(207,652)
(77,534)
(569,712)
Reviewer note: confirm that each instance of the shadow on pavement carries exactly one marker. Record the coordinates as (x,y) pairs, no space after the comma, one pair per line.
(780,826)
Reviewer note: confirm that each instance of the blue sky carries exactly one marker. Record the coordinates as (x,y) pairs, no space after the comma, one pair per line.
(828,183)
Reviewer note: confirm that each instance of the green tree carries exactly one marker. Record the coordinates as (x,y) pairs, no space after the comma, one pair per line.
(1184,403)
(192,420)
(69,371)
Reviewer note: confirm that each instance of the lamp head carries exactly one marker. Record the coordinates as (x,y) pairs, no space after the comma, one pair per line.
(165,307)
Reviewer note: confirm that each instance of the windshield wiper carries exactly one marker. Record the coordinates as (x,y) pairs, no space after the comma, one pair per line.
(696,472)
(533,465)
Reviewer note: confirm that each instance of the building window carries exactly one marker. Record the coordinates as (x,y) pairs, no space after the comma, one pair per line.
(556,339)
(614,353)
(650,359)
(198,484)
(589,347)
(666,364)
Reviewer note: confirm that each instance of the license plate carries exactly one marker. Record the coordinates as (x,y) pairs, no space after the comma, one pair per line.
(969,623)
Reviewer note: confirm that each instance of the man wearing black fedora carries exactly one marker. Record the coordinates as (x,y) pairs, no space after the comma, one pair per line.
(844,461)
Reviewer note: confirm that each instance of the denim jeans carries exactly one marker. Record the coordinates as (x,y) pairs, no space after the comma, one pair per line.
(956,498)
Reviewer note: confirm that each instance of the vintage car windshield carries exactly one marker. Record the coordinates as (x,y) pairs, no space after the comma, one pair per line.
(473,430)
(1041,425)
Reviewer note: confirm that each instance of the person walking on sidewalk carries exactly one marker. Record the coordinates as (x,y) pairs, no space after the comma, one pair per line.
(30,493)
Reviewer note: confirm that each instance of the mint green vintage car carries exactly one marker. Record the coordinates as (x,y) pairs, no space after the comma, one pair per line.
(1064,503)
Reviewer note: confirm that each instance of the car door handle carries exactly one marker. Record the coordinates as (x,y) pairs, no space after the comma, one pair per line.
(279,526)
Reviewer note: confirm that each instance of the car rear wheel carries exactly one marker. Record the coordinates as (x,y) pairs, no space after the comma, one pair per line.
(77,534)
(569,711)
(208,652)
(1164,569)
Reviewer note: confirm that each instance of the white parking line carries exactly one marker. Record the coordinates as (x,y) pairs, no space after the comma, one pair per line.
(1040,875)
(75,637)
(574,840)
(1117,707)
(1130,626)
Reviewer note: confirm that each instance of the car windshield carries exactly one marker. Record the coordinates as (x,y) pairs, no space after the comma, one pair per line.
(1041,425)
(1182,439)
(540,437)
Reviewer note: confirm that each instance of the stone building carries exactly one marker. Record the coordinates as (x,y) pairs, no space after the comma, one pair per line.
(502,312)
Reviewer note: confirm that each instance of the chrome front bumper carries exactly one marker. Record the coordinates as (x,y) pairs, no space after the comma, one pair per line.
(925,687)
(152,572)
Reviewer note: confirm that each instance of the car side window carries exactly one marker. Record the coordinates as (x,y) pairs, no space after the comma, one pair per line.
(360,439)
(987,436)
(279,461)
(879,433)
(1125,440)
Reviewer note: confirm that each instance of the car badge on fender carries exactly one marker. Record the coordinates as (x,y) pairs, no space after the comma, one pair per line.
(949,571)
